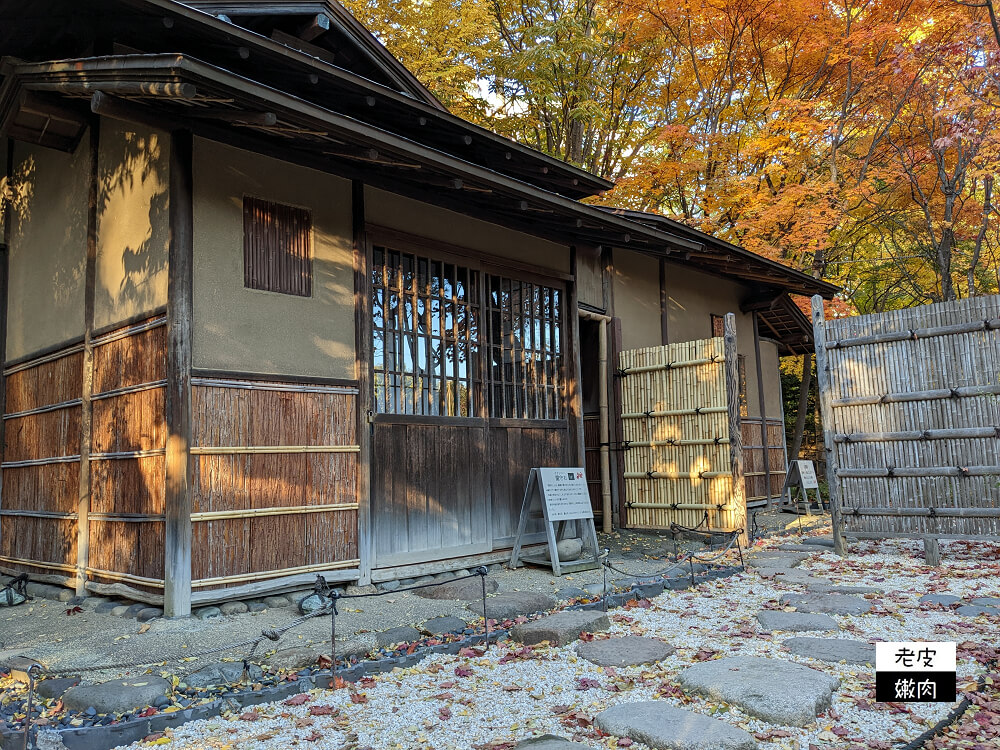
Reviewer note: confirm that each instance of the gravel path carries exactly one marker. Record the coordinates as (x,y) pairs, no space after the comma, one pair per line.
(493,699)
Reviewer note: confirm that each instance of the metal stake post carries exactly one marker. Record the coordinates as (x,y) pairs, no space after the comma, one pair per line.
(334,595)
(482,570)
(31,695)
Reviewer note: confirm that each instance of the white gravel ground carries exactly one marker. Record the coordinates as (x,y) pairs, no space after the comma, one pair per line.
(508,694)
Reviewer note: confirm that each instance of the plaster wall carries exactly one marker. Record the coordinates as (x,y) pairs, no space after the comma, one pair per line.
(637,298)
(48,247)
(248,330)
(132,223)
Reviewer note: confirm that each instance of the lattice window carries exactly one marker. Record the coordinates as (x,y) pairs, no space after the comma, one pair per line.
(525,349)
(277,247)
(425,316)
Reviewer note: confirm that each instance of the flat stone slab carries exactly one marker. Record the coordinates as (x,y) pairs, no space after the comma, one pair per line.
(823,588)
(548,742)
(295,658)
(776,560)
(795,622)
(629,651)
(774,690)
(392,636)
(467,589)
(513,604)
(561,628)
(974,610)
(810,548)
(791,575)
(945,600)
(833,604)
(819,541)
(661,726)
(446,624)
(223,673)
(987,601)
(117,696)
(833,650)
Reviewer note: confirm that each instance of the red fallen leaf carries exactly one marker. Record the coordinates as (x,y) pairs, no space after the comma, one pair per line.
(366,682)
(586,636)
(447,685)
(340,682)
(561,709)
(585,683)
(840,731)
(444,713)
(74,610)
(153,737)
(324,662)
(444,696)
(512,688)
(463,672)
(704,654)
(322,710)
(142,715)
(298,700)
(314,736)
(250,716)
(359,698)
(469,651)
(625,742)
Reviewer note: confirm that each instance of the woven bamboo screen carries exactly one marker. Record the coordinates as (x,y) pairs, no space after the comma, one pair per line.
(911,402)
(675,420)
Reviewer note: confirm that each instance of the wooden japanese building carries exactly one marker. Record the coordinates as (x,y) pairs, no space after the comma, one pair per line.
(271,311)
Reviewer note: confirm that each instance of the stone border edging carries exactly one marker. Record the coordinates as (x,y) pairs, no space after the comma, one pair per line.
(106,737)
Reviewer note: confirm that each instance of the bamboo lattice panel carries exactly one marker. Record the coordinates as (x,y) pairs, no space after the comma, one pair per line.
(679,463)
(889,398)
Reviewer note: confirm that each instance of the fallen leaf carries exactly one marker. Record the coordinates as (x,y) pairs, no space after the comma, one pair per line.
(298,700)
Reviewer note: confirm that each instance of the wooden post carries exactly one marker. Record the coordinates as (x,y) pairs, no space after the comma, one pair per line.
(8,218)
(86,410)
(763,410)
(363,366)
(575,394)
(932,551)
(739,498)
(177,542)
(826,413)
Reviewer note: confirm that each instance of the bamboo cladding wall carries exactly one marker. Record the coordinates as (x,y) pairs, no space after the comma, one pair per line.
(760,479)
(276,480)
(911,404)
(675,418)
(41,468)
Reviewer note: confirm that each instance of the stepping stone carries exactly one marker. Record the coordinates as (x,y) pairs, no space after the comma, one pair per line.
(513,604)
(468,589)
(441,625)
(774,690)
(974,610)
(833,650)
(570,592)
(795,622)
(561,628)
(987,601)
(392,636)
(945,600)
(791,575)
(629,651)
(117,696)
(783,562)
(223,673)
(54,688)
(823,588)
(808,548)
(661,726)
(819,541)
(833,604)
(548,742)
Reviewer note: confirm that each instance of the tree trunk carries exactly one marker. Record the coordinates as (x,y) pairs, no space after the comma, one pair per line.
(800,419)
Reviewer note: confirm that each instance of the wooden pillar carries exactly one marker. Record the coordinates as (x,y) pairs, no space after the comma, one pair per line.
(8,218)
(177,543)
(575,392)
(739,498)
(86,409)
(763,409)
(363,367)
(824,383)
(664,304)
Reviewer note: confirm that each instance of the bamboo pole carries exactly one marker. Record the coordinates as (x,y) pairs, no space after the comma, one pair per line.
(915,334)
(217,515)
(677,412)
(928,512)
(931,395)
(920,471)
(673,475)
(221,580)
(670,365)
(239,450)
(942,434)
(826,410)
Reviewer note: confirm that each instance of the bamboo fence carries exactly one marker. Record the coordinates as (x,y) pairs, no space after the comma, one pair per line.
(676,437)
(911,413)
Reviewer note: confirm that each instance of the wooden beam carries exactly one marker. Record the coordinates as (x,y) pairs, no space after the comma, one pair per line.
(823,382)
(8,232)
(763,410)
(177,542)
(363,375)
(86,411)
(316,26)
(236,117)
(735,433)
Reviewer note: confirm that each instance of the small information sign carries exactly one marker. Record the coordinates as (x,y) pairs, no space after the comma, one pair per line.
(915,672)
(801,474)
(807,475)
(561,498)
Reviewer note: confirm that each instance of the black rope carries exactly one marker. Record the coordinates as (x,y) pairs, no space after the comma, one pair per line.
(918,742)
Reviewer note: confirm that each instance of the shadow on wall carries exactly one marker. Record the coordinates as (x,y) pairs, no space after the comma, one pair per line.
(133,220)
